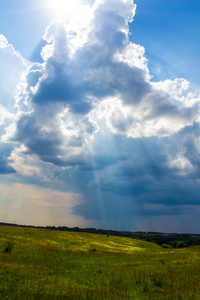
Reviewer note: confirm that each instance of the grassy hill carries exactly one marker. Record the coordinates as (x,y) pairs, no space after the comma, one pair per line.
(47,264)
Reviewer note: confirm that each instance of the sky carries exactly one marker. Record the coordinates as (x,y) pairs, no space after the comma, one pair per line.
(99,114)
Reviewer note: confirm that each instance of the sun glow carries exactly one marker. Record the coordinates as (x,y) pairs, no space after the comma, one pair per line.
(64,7)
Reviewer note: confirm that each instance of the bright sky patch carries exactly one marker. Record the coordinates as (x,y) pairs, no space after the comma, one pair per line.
(63,8)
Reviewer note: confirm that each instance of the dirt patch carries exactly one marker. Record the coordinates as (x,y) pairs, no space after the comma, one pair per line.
(20,248)
(56,249)
(7,264)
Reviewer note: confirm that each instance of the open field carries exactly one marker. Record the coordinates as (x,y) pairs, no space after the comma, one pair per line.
(46,264)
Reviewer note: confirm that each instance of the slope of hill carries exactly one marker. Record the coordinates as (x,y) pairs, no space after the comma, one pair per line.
(155,237)
(47,264)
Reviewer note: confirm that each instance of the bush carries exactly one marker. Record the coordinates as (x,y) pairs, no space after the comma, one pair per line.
(93,249)
(8,247)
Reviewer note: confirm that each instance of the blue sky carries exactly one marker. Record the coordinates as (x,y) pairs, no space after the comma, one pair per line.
(99,114)
(169,30)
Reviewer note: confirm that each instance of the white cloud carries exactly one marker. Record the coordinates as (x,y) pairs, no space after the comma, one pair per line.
(4,115)
(3,41)
(11,68)
(134,56)
(157,114)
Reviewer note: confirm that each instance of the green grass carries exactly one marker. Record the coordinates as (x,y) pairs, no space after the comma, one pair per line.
(45,264)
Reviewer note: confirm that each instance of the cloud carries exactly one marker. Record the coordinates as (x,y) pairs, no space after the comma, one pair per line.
(4,115)
(106,76)
(5,167)
(89,120)
(155,171)
(11,68)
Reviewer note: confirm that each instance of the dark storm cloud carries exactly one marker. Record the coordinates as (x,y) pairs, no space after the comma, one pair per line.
(61,88)
(5,167)
(47,145)
(146,182)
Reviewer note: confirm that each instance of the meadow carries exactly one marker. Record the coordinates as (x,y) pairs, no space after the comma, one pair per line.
(47,264)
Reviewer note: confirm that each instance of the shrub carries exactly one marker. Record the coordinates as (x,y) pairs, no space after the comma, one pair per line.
(8,247)
(93,249)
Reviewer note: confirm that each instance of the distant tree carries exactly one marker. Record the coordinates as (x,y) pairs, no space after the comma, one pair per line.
(180,244)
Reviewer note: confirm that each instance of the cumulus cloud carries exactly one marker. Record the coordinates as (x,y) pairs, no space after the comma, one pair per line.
(105,77)
(11,68)
(5,167)
(91,116)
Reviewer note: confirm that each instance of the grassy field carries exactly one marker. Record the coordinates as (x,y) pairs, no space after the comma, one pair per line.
(45,264)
